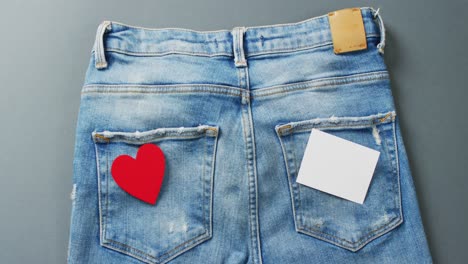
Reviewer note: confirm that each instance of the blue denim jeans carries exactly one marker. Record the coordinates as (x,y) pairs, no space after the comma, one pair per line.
(232,111)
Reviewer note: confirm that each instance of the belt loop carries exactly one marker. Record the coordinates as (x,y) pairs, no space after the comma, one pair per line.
(238,46)
(99,55)
(381,45)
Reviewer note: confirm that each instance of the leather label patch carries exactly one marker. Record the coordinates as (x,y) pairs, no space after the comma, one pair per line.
(347,30)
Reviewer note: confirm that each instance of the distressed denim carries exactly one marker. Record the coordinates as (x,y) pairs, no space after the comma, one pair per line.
(232,111)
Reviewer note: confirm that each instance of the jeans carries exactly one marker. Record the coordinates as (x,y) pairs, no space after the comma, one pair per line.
(232,111)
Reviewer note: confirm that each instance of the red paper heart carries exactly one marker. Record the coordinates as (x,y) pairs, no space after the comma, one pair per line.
(141,177)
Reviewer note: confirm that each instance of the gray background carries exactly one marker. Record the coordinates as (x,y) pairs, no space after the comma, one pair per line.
(45,48)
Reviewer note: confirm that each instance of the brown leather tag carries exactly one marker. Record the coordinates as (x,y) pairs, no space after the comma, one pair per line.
(347,30)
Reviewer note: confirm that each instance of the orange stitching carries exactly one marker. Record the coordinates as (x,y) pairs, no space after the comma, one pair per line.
(385,117)
(102,137)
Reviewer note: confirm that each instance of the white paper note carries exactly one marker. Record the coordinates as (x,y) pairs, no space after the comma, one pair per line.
(337,166)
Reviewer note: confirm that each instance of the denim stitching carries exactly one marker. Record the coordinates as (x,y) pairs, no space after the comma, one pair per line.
(371,233)
(195,85)
(287,50)
(301,48)
(152,92)
(378,119)
(150,140)
(247,55)
(122,249)
(296,169)
(278,133)
(392,158)
(249,179)
(257,235)
(174,28)
(98,165)
(200,237)
(314,84)
(344,121)
(206,236)
(327,83)
(107,195)
(160,54)
(203,180)
(152,135)
(371,236)
(125,248)
(397,166)
(227,31)
(333,127)
(339,79)
(213,162)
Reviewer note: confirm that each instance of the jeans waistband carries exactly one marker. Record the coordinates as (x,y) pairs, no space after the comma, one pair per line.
(239,42)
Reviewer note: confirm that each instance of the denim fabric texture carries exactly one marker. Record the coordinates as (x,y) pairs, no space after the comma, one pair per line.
(232,111)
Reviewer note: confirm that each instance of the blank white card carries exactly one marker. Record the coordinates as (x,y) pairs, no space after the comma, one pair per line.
(337,166)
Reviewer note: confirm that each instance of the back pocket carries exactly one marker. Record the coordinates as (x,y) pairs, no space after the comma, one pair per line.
(182,216)
(333,219)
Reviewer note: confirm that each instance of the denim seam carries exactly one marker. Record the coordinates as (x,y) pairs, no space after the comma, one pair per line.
(340,122)
(213,162)
(225,54)
(301,48)
(151,88)
(322,83)
(251,224)
(377,119)
(246,155)
(296,188)
(397,166)
(107,196)
(158,132)
(344,78)
(98,165)
(239,77)
(301,130)
(172,28)
(249,188)
(195,85)
(384,229)
(153,134)
(159,92)
(202,237)
(254,161)
(285,157)
(131,136)
(129,250)
(370,234)
(160,54)
(205,142)
(129,141)
(394,164)
(393,161)
(287,50)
